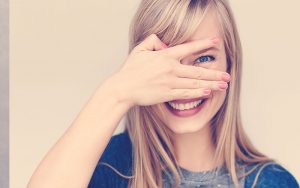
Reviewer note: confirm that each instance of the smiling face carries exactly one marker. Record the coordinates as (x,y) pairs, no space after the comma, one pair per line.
(212,58)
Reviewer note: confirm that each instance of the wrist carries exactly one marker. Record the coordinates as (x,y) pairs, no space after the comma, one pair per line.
(112,89)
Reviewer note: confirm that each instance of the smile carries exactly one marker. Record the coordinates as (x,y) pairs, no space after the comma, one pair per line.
(185,109)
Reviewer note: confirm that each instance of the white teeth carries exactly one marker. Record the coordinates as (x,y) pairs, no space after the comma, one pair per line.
(185,105)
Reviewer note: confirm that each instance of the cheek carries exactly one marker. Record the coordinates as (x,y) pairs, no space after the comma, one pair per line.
(218,98)
(214,103)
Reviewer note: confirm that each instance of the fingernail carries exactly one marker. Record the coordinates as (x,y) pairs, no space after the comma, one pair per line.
(215,40)
(165,46)
(226,77)
(222,85)
(207,91)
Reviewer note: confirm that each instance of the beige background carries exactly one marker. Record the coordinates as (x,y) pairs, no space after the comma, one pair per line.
(60,50)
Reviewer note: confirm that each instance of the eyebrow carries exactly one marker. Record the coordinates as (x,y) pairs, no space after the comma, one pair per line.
(214,48)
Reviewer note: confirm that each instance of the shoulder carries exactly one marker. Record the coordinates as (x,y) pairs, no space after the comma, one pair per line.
(270,174)
(118,147)
(116,159)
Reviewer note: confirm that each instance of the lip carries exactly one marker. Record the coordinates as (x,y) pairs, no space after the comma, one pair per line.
(186,113)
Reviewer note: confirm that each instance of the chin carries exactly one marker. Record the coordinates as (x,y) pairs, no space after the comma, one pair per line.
(187,128)
(192,124)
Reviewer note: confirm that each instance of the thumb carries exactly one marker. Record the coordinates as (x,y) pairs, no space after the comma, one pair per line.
(152,43)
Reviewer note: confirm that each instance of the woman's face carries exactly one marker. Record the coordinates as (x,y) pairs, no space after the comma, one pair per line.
(210,59)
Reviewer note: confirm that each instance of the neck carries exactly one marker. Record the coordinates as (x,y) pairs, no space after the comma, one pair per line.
(195,151)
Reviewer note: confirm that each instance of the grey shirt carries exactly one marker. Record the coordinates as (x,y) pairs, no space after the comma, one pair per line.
(204,179)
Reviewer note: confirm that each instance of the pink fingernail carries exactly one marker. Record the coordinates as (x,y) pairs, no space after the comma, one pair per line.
(222,85)
(226,77)
(207,91)
(215,40)
(165,46)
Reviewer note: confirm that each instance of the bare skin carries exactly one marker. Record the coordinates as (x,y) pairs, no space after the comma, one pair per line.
(193,142)
(72,160)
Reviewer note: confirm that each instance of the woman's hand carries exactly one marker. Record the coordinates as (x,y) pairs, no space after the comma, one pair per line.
(152,73)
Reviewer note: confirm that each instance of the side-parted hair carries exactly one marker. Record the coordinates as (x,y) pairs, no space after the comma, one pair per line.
(153,150)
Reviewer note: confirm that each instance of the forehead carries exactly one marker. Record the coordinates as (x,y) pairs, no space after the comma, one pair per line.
(208,27)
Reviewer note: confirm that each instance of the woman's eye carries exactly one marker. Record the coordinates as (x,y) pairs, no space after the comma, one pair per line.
(205,58)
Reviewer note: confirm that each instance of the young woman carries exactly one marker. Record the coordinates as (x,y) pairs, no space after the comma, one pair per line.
(182,107)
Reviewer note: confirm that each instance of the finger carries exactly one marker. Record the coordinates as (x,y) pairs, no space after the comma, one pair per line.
(187,83)
(196,72)
(185,49)
(152,43)
(188,93)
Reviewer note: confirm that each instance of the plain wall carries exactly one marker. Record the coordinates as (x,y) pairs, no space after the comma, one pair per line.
(61,50)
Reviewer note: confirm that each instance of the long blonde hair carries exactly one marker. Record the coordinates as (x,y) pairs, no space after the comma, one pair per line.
(174,22)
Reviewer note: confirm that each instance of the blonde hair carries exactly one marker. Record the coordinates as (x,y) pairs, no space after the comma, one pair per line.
(174,22)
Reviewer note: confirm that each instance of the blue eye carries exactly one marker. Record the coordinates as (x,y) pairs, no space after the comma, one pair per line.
(205,58)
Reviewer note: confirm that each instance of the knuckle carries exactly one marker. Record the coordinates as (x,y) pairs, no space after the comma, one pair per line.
(153,37)
(171,69)
(200,75)
(196,83)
